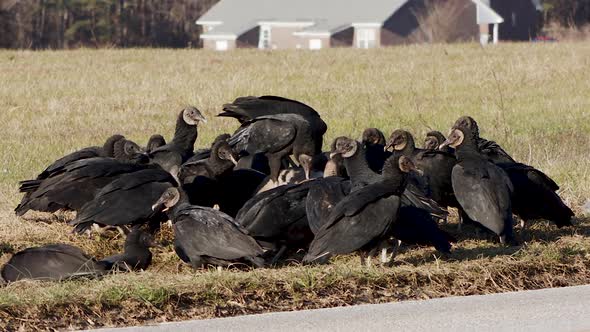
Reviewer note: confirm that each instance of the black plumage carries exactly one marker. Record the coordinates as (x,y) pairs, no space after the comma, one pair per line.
(276,127)
(482,188)
(126,201)
(221,160)
(416,226)
(375,152)
(364,217)
(433,141)
(278,216)
(107,150)
(136,254)
(353,154)
(51,262)
(435,166)
(155,141)
(62,261)
(173,154)
(73,185)
(323,195)
(215,180)
(206,236)
(490,149)
(535,194)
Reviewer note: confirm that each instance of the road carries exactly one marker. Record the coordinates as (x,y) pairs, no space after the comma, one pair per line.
(558,309)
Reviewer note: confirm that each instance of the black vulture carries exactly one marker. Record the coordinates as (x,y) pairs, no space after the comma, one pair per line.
(276,127)
(204,235)
(490,149)
(323,195)
(435,166)
(173,154)
(361,175)
(482,188)
(63,261)
(127,200)
(277,218)
(51,262)
(73,185)
(203,154)
(155,141)
(221,160)
(137,254)
(216,181)
(374,143)
(107,150)
(373,136)
(362,219)
(535,194)
(433,141)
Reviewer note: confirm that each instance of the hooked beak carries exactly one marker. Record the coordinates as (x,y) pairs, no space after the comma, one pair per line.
(159,207)
(233,160)
(388,147)
(445,143)
(201,118)
(334,154)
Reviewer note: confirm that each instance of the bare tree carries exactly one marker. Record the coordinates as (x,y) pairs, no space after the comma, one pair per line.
(444,21)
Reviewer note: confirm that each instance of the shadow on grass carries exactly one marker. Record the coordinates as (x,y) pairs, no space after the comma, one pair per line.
(539,231)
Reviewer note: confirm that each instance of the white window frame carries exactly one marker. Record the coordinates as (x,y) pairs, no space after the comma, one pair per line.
(315,44)
(265,41)
(364,37)
(221,45)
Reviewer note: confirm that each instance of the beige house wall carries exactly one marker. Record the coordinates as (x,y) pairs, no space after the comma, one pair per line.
(283,38)
(209,44)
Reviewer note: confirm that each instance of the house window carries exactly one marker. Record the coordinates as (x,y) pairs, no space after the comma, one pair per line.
(264,38)
(366,38)
(315,44)
(221,45)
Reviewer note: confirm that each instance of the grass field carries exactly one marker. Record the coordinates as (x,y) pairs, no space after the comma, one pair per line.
(531,98)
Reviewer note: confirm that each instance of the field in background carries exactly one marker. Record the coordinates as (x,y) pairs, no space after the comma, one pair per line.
(531,98)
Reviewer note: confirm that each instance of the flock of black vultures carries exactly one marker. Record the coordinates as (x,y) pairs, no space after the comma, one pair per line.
(267,192)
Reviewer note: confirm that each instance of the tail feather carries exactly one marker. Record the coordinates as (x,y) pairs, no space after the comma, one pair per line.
(29,185)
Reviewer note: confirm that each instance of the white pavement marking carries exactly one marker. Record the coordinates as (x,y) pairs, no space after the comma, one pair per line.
(556,309)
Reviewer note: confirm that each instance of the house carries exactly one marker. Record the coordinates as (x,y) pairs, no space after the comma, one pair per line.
(316,24)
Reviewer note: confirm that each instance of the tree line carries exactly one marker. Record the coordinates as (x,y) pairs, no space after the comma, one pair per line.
(56,24)
(39,24)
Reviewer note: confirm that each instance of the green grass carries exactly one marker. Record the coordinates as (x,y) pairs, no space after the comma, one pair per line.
(531,98)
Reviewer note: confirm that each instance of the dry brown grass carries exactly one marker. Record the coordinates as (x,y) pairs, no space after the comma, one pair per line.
(531,98)
(567,34)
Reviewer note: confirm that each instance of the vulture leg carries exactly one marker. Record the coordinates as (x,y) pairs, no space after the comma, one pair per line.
(394,251)
(274,162)
(278,256)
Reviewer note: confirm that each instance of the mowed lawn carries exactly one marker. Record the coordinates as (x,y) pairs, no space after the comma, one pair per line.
(531,98)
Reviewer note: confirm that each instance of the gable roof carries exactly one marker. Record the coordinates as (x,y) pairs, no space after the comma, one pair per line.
(485,14)
(235,17)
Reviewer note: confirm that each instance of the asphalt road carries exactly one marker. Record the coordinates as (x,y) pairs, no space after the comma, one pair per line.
(558,309)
